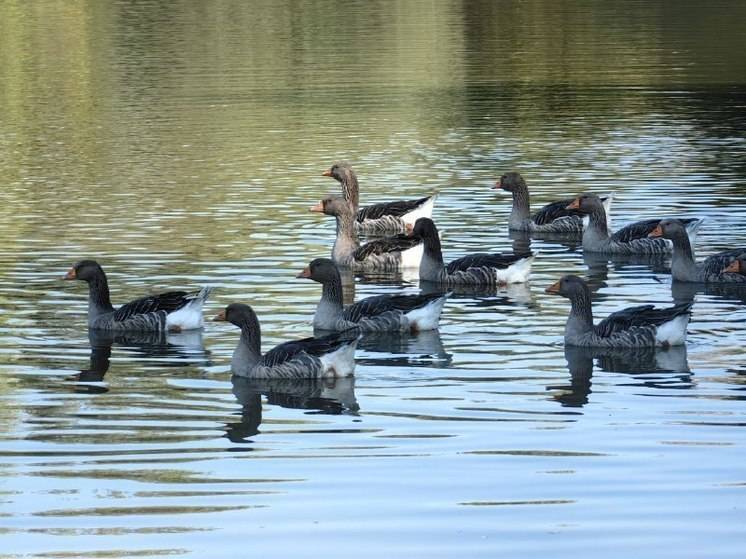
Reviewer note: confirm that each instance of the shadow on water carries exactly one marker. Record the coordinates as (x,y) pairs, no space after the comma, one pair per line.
(166,348)
(405,349)
(636,361)
(325,396)
(685,292)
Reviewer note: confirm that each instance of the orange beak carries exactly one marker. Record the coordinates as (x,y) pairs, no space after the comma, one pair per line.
(306,273)
(220,317)
(70,275)
(574,205)
(327,173)
(318,208)
(554,288)
(735,267)
(657,232)
(498,185)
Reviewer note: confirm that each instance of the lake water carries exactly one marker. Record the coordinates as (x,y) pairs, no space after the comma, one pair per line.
(181,143)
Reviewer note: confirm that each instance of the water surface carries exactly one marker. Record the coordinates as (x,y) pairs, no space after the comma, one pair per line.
(181,144)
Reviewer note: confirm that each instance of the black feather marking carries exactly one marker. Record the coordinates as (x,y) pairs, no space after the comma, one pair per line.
(484,260)
(315,347)
(374,306)
(169,302)
(397,208)
(640,316)
(640,229)
(396,243)
(553,211)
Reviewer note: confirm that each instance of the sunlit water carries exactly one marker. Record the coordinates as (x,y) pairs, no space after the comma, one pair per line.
(181,145)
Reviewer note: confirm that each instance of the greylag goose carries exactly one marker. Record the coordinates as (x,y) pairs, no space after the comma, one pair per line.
(552,218)
(632,239)
(641,326)
(385,255)
(737,266)
(722,267)
(480,269)
(382,313)
(173,310)
(386,218)
(330,356)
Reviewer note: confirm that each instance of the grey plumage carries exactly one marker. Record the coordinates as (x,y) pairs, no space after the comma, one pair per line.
(377,219)
(683,266)
(640,326)
(382,255)
(552,218)
(596,236)
(306,358)
(381,313)
(482,269)
(150,313)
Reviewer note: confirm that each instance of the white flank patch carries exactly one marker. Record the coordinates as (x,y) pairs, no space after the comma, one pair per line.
(412,257)
(672,332)
(425,210)
(516,273)
(339,363)
(188,317)
(427,317)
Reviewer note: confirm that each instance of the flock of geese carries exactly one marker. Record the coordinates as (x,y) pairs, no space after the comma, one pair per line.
(406,238)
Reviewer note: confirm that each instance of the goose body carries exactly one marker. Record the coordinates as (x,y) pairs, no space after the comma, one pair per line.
(723,267)
(169,311)
(641,326)
(386,218)
(326,357)
(480,269)
(552,218)
(382,313)
(388,254)
(632,239)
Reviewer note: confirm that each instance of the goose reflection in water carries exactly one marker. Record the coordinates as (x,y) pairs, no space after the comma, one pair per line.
(330,396)
(684,292)
(580,362)
(598,266)
(423,349)
(167,349)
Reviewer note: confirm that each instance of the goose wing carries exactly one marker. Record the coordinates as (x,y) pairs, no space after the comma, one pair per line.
(484,260)
(553,211)
(396,208)
(169,301)
(643,315)
(395,243)
(641,229)
(315,347)
(374,306)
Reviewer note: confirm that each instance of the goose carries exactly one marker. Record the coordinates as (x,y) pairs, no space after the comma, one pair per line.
(723,267)
(632,239)
(552,218)
(326,357)
(382,313)
(641,326)
(378,219)
(173,310)
(385,255)
(479,269)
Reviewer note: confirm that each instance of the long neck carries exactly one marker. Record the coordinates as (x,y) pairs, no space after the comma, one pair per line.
(683,267)
(248,351)
(597,228)
(521,206)
(330,307)
(350,189)
(580,320)
(346,241)
(98,296)
(431,266)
